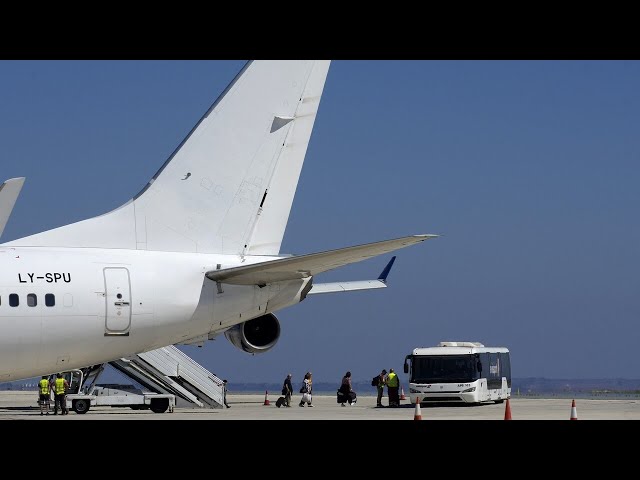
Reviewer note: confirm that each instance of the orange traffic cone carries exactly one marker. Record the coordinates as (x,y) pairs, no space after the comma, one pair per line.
(266,398)
(402,397)
(574,413)
(418,414)
(507,411)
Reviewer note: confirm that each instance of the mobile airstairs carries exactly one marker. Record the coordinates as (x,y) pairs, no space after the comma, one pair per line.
(169,370)
(164,371)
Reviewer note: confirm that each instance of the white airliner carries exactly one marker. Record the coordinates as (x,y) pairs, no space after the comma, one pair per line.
(196,253)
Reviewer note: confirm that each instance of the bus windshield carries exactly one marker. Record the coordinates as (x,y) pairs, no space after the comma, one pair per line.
(444,369)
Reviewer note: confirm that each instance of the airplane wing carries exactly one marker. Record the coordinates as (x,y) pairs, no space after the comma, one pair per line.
(304,266)
(9,192)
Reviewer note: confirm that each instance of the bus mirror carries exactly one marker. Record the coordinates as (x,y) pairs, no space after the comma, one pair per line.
(406,367)
(479,365)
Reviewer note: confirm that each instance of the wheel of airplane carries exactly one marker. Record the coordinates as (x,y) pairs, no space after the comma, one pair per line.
(81,406)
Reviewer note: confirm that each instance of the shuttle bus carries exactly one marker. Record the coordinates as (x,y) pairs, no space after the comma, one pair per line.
(465,372)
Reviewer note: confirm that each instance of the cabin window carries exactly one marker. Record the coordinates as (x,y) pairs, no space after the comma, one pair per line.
(50,300)
(32,300)
(14,300)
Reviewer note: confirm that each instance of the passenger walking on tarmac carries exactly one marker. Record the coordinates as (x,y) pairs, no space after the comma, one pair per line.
(382,381)
(347,390)
(44,389)
(393,385)
(305,390)
(60,390)
(287,391)
(224,393)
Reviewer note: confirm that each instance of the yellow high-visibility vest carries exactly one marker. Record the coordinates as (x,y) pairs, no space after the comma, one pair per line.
(59,386)
(392,380)
(44,386)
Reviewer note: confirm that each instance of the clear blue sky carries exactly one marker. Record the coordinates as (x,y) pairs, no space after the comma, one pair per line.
(529,171)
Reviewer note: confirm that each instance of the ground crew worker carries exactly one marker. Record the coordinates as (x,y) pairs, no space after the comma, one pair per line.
(393,385)
(60,390)
(44,389)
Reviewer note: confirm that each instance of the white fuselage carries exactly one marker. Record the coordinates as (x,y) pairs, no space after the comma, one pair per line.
(63,308)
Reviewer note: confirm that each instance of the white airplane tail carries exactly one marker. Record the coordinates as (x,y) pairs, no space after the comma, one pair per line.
(229,186)
(9,192)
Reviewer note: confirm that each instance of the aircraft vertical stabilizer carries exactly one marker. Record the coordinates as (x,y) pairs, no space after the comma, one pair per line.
(229,186)
(9,192)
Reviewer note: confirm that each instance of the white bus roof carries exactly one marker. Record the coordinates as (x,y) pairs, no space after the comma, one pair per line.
(458,348)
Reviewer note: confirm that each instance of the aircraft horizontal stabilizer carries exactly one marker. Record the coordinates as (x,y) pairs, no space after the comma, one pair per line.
(304,266)
(380,282)
(346,286)
(9,192)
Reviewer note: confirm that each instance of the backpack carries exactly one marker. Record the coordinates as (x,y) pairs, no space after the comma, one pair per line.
(374,382)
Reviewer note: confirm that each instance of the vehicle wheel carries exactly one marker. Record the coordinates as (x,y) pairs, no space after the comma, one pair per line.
(160,405)
(81,406)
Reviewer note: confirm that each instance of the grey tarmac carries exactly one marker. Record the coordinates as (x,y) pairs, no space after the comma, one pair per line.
(21,405)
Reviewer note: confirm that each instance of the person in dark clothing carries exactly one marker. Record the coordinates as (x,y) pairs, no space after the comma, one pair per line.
(382,381)
(348,395)
(287,390)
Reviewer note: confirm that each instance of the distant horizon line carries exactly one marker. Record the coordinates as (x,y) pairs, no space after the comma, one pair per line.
(325,383)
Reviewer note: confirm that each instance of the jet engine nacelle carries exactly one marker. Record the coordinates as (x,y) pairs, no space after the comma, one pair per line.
(255,336)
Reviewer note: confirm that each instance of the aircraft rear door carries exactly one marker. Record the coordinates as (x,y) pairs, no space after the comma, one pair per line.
(118,301)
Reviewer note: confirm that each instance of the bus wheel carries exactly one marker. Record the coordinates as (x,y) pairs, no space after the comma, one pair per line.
(81,406)
(159,405)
